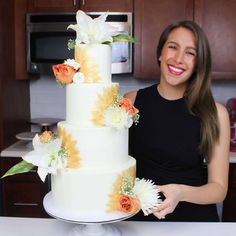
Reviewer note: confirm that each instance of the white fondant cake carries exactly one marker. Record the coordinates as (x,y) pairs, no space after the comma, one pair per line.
(95,62)
(93,179)
(82,101)
(98,162)
(89,189)
(98,147)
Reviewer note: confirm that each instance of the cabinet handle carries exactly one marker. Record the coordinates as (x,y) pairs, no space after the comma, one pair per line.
(25,204)
(74,2)
(83,2)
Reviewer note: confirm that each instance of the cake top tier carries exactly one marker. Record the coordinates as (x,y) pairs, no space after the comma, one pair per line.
(92,64)
(92,47)
(95,63)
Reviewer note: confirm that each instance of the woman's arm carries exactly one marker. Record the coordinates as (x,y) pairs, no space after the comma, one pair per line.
(216,188)
(131,95)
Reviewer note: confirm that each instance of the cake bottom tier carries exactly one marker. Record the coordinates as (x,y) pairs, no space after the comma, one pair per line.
(91,190)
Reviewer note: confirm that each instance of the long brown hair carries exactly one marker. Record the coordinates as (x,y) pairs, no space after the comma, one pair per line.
(198,93)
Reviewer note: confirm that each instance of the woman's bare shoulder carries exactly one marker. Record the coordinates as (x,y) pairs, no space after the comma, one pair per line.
(131,95)
(222,111)
(222,114)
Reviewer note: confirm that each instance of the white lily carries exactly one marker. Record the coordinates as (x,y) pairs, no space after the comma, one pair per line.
(46,156)
(90,30)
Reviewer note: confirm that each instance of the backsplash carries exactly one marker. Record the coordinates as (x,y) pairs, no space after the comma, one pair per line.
(47,98)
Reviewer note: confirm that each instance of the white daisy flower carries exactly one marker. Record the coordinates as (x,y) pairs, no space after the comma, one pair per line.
(73,63)
(117,117)
(147,194)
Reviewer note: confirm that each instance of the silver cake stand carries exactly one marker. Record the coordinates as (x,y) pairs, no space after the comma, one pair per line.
(86,224)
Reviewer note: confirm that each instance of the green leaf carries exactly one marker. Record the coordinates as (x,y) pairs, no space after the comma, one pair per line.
(71,44)
(21,167)
(124,38)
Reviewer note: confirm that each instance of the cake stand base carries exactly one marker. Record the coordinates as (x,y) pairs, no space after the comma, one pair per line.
(85,224)
(95,230)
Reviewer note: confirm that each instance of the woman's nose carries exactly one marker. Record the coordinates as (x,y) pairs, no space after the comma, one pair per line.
(179,57)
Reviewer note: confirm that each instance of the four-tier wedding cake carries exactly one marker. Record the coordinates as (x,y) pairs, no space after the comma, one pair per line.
(91,171)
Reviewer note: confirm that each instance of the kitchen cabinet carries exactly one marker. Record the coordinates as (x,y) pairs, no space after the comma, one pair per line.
(14,94)
(106,5)
(53,5)
(74,5)
(20,39)
(217,18)
(229,206)
(23,193)
(150,18)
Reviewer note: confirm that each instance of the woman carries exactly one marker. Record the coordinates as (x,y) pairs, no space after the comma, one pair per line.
(182,139)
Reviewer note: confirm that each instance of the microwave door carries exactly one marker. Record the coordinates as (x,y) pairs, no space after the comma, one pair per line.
(121,57)
(120,52)
(48,48)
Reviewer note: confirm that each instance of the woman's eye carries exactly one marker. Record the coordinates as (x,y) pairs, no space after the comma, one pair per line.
(172,46)
(191,53)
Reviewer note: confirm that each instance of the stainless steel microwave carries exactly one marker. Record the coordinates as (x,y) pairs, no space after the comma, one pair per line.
(47,38)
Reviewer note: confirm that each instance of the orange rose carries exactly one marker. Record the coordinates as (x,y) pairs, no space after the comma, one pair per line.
(128,204)
(128,106)
(64,73)
(46,136)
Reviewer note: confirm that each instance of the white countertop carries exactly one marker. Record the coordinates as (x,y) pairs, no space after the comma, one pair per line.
(14,226)
(232,156)
(20,148)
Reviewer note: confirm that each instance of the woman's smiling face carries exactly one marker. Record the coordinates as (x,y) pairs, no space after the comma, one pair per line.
(178,57)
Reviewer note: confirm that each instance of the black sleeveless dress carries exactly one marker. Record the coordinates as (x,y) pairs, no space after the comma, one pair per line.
(164,143)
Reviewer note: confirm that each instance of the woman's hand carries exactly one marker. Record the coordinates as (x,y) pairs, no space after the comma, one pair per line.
(173,195)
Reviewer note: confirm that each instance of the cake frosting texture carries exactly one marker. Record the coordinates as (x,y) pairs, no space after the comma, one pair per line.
(86,102)
(89,189)
(98,147)
(95,62)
